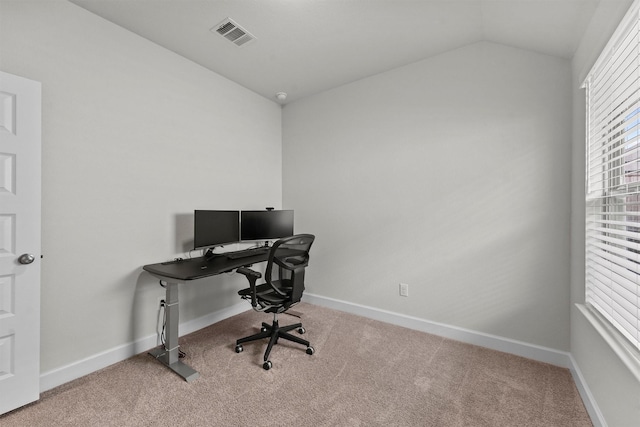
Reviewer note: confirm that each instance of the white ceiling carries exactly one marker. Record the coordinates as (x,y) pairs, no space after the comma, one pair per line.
(308,46)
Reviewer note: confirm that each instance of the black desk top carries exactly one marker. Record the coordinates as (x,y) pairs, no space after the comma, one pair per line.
(198,268)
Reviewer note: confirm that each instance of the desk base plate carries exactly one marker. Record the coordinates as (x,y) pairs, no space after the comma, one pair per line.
(182,369)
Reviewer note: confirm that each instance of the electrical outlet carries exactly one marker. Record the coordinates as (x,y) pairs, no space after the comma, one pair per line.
(404,290)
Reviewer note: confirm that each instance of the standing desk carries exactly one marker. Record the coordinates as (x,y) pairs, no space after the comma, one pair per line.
(171,274)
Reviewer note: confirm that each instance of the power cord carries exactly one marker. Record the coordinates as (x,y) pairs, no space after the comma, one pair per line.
(181,354)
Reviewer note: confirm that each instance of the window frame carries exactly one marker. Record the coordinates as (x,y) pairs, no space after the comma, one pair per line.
(612,175)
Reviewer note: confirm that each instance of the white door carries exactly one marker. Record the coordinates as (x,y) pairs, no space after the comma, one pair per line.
(19,241)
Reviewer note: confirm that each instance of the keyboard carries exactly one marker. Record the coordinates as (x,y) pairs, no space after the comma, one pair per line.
(247,252)
(175,261)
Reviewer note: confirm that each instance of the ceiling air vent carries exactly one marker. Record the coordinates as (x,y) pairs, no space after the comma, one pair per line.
(233,32)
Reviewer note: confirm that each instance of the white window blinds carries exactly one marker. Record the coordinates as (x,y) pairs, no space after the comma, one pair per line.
(613,180)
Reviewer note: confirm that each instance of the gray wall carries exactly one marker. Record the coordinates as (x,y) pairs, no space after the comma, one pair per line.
(615,389)
(450,174)
(134,138)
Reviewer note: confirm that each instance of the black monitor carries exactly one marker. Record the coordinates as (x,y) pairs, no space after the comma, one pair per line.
(215,228)
(266,225)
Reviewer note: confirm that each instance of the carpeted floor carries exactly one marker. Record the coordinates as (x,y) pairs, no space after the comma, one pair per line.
(364,373)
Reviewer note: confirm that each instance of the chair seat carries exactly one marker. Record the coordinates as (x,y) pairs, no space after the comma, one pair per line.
(260,289)
(266,294)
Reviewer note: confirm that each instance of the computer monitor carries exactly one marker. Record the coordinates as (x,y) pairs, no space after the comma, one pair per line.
(215,228)
(266,225)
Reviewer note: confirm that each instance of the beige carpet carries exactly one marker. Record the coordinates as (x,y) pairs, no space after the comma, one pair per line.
(364,373)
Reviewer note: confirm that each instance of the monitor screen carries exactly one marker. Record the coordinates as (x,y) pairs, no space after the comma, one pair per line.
(265,225)
(215,228)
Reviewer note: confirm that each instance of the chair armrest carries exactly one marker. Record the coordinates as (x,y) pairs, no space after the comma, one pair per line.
(252,276)
(249,272)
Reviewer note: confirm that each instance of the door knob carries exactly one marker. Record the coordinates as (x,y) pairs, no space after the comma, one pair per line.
(26,259)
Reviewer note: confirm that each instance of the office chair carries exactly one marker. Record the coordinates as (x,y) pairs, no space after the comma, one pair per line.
(283,287)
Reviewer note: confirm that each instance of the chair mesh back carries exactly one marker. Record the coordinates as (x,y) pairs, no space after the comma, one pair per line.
(288,259)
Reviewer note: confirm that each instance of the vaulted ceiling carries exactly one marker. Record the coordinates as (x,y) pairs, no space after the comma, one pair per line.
(302,47)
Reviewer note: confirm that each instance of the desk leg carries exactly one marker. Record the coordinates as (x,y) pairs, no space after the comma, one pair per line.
(169,354)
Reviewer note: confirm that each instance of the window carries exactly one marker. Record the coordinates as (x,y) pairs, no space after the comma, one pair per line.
(613,180)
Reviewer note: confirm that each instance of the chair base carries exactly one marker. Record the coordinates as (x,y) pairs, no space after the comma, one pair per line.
(274,332)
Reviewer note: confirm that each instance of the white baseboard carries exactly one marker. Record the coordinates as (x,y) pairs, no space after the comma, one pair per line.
(72,371)
(587,398)
(507,345)
(80,368)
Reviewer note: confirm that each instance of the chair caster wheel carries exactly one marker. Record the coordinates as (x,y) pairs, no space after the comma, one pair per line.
(301,330)
(239,348)
(310,350)
(267,365)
